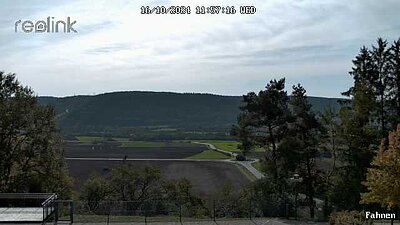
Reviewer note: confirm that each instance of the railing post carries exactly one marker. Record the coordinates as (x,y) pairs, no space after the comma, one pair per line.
(55,208)
(250,206)
(287,210)
(108,204)
(145,211)
(44,217)
(71,212)
(180,213)
(214,216)
(295,206)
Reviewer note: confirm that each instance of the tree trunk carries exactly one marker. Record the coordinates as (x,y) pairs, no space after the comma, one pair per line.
(383,115)
(398,93)
(310,191)
(274,160)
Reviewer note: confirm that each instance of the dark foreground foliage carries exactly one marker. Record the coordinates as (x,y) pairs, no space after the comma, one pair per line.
(31,159)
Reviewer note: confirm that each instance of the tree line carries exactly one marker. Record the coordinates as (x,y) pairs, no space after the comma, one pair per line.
(31,157)
(296,140)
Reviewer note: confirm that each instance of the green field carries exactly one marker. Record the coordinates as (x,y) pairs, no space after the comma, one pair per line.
(257,165)
(126,142)
(209,154)
(165,130)
(155,144)
(120,139)
(90,139)
(230,146)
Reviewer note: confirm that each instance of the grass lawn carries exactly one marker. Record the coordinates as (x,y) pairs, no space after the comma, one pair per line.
(120,139)
(165,130)
(90,139)
(155,144)
(230,146)
(209,154)
(257,165)
(127,143)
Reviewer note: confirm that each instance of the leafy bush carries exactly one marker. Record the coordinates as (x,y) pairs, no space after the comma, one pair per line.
(240,157)
(348,218)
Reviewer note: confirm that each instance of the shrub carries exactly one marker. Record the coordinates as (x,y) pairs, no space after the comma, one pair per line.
(240,157)
(348,218)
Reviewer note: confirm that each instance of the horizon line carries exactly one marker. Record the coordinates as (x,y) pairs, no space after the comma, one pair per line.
(167,92)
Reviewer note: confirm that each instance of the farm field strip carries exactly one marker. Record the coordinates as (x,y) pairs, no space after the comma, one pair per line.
(205,167)
(206,176)
(229,146)
(157,151)
(136,159)
(124,147)
(209,154)
(113,150)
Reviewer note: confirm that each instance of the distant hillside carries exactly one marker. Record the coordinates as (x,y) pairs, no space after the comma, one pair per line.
(126,110)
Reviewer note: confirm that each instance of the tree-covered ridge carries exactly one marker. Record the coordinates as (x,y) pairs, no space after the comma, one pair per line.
(120,110)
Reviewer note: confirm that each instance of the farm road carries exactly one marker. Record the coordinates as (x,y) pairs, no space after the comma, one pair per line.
(245,164)
(250,168)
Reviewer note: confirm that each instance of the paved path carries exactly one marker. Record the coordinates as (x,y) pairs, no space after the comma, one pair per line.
(212,147)
(246,164)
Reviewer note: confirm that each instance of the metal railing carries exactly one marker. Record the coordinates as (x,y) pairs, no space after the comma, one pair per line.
(46,201)
(161,210)
(49,207)
(179,210)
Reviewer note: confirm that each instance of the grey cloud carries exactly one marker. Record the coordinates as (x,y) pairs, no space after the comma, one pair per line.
(108,49)
(300,39)
(100,26)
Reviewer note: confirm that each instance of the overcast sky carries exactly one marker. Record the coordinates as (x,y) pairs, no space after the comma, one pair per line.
(118,49)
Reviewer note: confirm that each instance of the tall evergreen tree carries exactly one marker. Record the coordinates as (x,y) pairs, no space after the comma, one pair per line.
(394,83)
(365,120)
(380,79)
(265,114)
(243,134)
(360,138)
(300,146)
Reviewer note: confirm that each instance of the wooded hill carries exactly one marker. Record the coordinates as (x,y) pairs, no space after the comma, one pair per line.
(121,111)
